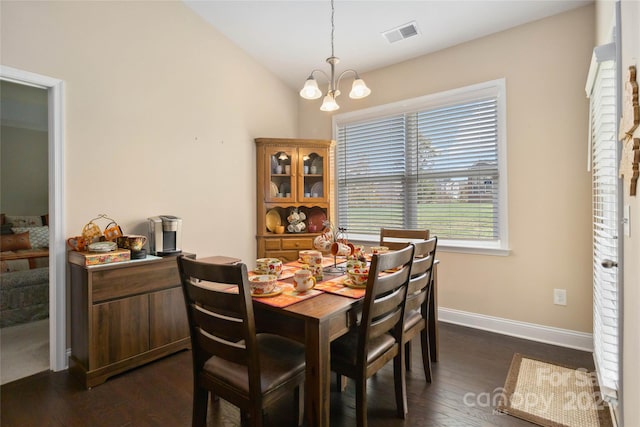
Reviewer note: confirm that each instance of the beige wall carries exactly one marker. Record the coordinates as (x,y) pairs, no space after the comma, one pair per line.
(545,65)
(24,184)
(160,115)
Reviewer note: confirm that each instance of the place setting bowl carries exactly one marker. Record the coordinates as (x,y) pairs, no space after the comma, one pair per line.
(264,285)
(357,277)
(269,266)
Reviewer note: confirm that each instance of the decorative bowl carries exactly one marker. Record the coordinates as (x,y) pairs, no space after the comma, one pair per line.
(269,266)
(263,284)
(358,275)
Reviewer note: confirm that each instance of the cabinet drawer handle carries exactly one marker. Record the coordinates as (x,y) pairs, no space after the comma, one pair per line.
(297,245)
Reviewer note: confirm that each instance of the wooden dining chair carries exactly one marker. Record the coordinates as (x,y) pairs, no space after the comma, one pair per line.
(417,307)
(396,238)
(230,360)
(367,347)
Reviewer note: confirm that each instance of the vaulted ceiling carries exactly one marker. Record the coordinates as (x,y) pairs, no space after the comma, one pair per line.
(293,37)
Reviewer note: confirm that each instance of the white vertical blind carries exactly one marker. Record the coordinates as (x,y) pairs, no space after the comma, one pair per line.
(604,166)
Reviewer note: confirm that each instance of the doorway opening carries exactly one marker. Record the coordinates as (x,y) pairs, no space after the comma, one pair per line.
(24,203)
(56,334)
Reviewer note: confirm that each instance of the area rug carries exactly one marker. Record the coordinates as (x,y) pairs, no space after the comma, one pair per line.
(550,395)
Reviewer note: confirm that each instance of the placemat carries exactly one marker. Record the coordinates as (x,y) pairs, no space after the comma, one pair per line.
(335,286)
(288,297)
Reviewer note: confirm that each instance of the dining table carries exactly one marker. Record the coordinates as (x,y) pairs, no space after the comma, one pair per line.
(316,318)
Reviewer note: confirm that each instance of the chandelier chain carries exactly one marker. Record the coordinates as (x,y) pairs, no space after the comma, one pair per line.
(333,27)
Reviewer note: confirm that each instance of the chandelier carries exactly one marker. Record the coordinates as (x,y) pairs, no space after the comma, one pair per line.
(310,90)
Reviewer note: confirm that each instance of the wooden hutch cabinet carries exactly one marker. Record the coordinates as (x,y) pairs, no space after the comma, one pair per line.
(291,174)
(124,315)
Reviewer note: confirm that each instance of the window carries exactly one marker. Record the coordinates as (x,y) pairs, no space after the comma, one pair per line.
(604,165)
(435,162)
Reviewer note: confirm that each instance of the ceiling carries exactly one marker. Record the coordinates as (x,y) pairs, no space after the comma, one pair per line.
(293,37)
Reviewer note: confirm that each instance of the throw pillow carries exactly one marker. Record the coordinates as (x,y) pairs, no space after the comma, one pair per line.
(24,220)
(6,229)
(12,265)
(14,242)
(38,236)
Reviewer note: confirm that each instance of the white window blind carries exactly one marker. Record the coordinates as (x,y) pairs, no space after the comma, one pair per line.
(604,166)
(434,167)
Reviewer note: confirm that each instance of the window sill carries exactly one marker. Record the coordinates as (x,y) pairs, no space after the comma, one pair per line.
(469,247)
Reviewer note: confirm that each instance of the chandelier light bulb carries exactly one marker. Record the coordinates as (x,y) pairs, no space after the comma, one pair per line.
(310,89)
(329,103)
(359,89)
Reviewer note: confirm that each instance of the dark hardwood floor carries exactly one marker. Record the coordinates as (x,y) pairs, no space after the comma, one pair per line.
(472,369)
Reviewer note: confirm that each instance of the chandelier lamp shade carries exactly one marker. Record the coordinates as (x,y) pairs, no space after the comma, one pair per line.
(311,90)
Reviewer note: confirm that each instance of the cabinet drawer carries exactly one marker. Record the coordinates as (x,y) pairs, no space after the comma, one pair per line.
(299,244)
(122,282)
(273,244)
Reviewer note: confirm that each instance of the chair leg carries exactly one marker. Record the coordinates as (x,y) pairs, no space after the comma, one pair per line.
(200,401)
(426,356)
(253,418)
(341,383)
(361,402)
(407,354)
(400,385)
(298,404)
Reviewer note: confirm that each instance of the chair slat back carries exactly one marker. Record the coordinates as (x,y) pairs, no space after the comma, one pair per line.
(385,296)
(396,238)
(421,273)
(221,322)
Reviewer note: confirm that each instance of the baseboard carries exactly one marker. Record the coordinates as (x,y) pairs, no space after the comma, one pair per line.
(531,331)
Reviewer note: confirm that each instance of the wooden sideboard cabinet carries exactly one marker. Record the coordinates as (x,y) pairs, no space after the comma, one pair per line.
(291,174)
(124,315)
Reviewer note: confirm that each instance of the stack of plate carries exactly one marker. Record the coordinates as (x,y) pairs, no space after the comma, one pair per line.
(273,220)
(102,247)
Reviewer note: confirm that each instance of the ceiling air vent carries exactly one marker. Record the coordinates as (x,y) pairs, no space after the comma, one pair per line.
(402,32)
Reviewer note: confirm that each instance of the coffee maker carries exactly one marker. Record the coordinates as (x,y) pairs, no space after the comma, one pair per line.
(165,235)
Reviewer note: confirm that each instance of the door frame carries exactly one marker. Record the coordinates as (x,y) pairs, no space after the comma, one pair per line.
(58,359)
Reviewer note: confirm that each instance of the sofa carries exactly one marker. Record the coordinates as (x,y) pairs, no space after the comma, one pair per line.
(24,269)
(24,296)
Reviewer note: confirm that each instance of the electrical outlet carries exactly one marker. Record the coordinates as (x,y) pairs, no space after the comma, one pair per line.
(560,296)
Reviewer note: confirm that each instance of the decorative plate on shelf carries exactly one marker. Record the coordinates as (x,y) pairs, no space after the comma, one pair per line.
(273,220)
(285,188)
(274,189)
(316,217)
(316,189)
(317,162)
